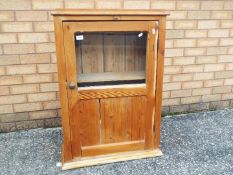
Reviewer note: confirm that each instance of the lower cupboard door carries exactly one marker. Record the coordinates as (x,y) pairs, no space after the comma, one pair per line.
(111,125)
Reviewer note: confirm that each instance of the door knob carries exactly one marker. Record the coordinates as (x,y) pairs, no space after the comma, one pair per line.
(72,85)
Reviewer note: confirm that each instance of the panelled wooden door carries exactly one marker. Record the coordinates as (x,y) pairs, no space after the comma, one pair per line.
(115,119)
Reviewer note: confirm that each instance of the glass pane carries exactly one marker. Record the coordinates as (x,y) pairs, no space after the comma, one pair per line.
(110,58)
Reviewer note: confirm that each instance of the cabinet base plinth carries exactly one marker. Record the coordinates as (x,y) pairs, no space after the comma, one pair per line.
(110,158)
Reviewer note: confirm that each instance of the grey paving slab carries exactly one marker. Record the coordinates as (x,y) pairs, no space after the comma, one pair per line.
(193,144)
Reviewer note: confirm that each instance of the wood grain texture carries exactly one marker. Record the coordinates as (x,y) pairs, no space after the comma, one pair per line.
(89,118)
(114,52)
(112,148)
(136,110)
(110,93)
(113,120)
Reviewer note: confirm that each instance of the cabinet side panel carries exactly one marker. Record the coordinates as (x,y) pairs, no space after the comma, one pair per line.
(136,111)
(89,122)
(113,120)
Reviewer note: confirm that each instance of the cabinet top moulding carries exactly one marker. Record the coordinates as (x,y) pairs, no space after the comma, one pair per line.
(106,12)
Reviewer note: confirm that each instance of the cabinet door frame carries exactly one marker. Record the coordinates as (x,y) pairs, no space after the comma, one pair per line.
(69,28)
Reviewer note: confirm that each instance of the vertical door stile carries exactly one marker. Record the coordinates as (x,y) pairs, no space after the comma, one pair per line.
(72,93)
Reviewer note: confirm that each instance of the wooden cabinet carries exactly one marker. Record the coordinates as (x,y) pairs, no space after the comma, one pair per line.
(110,69)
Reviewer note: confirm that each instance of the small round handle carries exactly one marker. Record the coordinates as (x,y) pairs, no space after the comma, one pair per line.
(72,85)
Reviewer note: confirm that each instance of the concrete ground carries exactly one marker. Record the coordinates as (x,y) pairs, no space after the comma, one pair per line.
(198,143)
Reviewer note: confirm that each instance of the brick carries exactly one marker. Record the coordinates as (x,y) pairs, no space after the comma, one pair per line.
(31,15)
(221,15)
(184,60)
(8,80)
(15,5)
(45,47)
(12,99)
(33,37)
(52,122)
(219,105)
(213,67)
(14,117)
(169,25)
(47,68)
(184,43)
(7,127)
(225,58)
(227,24)
(172,69)
(174,52)
(228,96)
(8,38)
(228,81)
(25,125)
(171,86)
(51,105)
(182,77)
(185,24)
(6,16)
(216,50)
(198,14)
(201,91)
(53,58)
(213,5)
(46,87)
(9,60)
(136,4)
(81,4)
(170,34)
(42,97)
(188,5)
(199,107)
(16,27)
(229,66)
(27,107)
(213,83)
(21,69)
(168,44)
(189,100)
(18,48)
(214,97)
(24,88)
(35,58)
(206,59)
(230,50)
(51,37)
(192,84)
(37,78)
(194,51)
(4,90)
(181,93)
(177,15)
(44,27)
(4,109)
(203,76)
(179,108)
(168,5)
(207,42)
(224,74)
(192,68)
(2,71)
(228,5)
(166,94)
(42,114)
(166,78)
(226,41)
(218,33)
(110,4)
(171,102)
(46,5)
(208,24)
(195,33)
(221,89)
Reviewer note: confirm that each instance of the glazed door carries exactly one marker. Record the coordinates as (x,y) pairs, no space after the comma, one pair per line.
(111,85)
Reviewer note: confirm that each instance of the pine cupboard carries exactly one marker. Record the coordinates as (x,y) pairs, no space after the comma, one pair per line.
(110,69)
